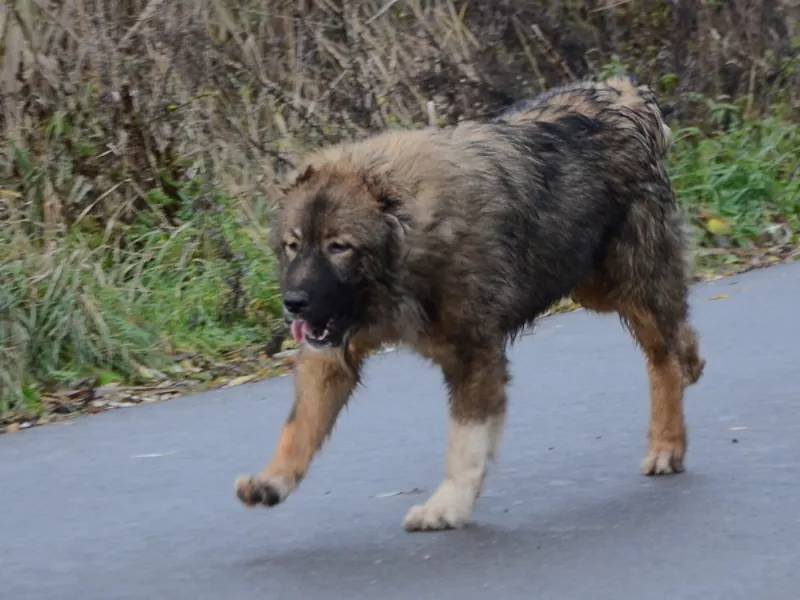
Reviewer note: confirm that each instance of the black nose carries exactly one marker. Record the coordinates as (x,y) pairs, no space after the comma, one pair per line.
(295,302)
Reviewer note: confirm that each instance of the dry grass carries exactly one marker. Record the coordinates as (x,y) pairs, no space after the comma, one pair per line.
(142,140)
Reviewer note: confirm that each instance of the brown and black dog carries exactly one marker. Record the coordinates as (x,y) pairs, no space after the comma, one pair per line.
(451,241)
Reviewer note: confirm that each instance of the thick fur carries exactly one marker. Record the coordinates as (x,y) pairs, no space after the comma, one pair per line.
(451,241)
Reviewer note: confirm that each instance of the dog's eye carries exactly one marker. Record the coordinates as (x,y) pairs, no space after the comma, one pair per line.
(291,246)
(338,247)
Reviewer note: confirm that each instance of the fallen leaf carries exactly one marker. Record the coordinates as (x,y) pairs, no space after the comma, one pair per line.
(12,428)
(147,373)
(188,366)
(241,380)
(9,193)
(719,297)
(153,455)
(66,394)
(400,493)
(717,226)
(107,389)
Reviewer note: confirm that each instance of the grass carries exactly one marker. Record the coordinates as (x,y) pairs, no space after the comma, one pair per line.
(140,149)
(740,188)
(76,309)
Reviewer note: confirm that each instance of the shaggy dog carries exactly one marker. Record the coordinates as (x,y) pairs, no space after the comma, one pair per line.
(451,241)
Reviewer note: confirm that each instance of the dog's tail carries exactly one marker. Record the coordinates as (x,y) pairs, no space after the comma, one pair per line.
(640,103)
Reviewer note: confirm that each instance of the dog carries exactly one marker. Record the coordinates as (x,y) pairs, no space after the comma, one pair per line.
(453,241)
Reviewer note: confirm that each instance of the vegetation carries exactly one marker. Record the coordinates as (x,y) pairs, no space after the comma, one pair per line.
(142,141)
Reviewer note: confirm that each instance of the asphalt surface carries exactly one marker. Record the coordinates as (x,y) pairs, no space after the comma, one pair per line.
(139,503)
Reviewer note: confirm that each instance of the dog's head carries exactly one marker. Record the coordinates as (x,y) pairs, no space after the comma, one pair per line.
(338,240)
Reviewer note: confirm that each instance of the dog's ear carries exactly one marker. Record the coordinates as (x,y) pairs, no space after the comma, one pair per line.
(297,176)
(304,174)
(288,180)
(390,198)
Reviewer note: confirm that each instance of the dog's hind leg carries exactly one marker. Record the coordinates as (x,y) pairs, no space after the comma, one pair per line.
(477,417)
(669,342)
(660,341)
(324,383)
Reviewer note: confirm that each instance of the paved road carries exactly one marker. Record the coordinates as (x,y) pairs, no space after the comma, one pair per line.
(86,514)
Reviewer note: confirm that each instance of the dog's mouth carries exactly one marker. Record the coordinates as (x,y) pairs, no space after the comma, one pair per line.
(318,337)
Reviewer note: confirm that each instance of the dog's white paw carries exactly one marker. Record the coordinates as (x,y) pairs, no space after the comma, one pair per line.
(449,508)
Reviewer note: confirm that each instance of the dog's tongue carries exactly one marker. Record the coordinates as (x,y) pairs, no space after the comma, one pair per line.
(299,329)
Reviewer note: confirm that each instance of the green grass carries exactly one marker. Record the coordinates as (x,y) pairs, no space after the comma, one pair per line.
(73,304)
(736,184)
(75,310)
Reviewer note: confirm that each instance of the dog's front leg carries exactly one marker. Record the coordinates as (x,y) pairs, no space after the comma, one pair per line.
(477,417)
(324,383)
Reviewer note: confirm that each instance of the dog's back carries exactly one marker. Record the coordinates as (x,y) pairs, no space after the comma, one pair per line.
(619,99)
